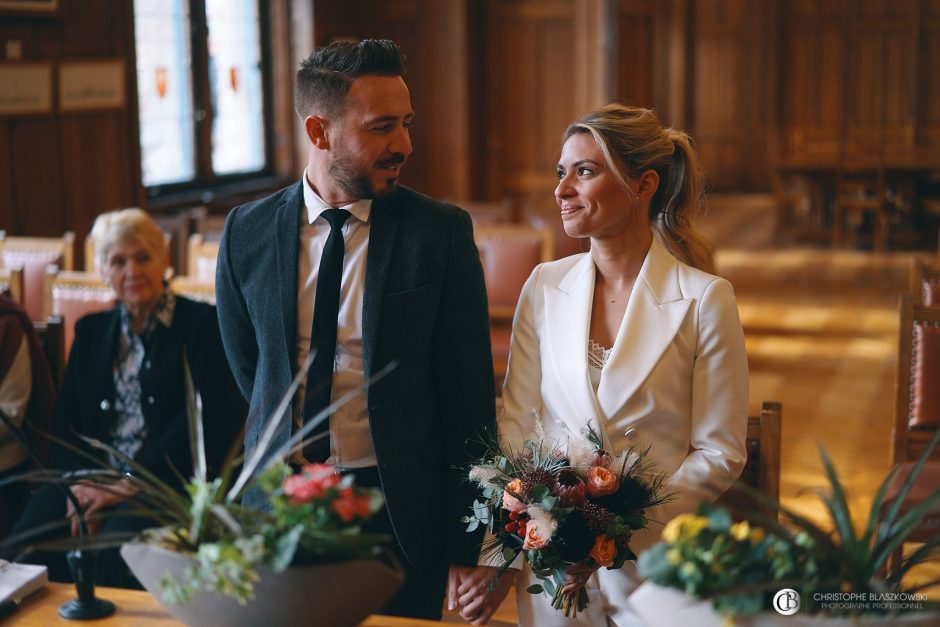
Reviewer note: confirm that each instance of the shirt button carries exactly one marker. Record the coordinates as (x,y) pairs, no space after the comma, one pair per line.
(150,400)
(104,404)
(147,364)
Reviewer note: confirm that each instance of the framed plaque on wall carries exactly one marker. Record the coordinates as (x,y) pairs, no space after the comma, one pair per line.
(25,88)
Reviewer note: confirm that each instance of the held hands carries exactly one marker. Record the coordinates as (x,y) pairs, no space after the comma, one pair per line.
(577,576)
(94,497)
(467,590)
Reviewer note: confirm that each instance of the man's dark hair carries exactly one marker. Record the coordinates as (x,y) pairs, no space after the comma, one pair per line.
(325,76)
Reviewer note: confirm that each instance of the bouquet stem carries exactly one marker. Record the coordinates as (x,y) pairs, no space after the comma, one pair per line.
(571,603)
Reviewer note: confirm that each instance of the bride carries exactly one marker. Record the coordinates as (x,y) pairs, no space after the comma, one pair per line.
(637,336)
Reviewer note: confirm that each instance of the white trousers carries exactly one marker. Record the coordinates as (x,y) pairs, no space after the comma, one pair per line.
(607,601)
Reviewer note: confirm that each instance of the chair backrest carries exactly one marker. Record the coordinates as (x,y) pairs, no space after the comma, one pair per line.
(917,391)
(11,283)
(925,280)
(509,253)
(34,254)
(51,334)
(72,295)
(762,470)
(201,257)
(194,289)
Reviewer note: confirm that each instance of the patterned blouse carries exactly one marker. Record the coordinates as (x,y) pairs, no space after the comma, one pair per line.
(130,430)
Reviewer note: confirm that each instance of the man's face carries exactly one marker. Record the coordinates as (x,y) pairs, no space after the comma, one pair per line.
(373,140)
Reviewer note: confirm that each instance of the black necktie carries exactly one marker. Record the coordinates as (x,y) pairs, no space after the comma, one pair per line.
(323,334)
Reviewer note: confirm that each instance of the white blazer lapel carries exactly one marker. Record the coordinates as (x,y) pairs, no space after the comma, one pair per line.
(567,322)
(653,317)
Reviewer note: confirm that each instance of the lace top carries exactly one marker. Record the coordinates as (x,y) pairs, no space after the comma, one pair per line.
(597,359)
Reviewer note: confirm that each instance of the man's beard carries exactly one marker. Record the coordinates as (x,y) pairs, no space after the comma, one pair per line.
(354,179)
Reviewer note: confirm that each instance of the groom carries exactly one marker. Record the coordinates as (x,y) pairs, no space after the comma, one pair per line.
(367,273)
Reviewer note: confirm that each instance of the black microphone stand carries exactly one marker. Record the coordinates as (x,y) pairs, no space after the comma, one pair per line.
(81,563)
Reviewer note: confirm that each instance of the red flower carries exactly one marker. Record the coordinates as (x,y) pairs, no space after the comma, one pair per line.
(310,483)
(350,505)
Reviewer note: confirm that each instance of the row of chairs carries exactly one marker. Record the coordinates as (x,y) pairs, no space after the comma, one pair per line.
(917,391)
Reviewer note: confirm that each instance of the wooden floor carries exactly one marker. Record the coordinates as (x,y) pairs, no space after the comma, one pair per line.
(821,330)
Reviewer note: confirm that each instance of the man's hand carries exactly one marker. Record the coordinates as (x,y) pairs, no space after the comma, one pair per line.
(95,497)
(467,590)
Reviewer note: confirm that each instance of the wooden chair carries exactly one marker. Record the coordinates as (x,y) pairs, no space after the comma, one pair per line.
(917,410)
(34,254)
(194,289)
(72,295)
(508,253)
(201,258)
(762,470)
(51,334)
(925,280)
(11,283)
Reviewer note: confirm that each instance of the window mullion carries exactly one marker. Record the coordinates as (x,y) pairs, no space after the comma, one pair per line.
(202,104)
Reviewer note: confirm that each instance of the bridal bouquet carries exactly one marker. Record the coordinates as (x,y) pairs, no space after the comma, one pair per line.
(562,504)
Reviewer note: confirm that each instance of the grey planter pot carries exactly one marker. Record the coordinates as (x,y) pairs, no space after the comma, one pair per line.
(327,595)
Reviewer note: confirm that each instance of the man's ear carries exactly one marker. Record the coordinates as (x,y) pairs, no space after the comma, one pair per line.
(315,127)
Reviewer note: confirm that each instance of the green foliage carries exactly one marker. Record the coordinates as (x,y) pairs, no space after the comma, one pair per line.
(739,567)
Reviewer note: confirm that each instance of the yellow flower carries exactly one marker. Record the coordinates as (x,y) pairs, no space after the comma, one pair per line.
(740,531)
(683,526)
(673,556)
(688,569)
(757,534)
(716,568)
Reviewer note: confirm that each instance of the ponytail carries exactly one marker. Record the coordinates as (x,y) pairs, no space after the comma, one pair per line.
(633,141)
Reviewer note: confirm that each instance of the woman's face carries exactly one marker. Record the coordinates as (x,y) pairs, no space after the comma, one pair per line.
(135,273)
(593,202)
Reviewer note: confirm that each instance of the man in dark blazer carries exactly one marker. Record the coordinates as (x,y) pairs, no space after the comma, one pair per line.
(412,294)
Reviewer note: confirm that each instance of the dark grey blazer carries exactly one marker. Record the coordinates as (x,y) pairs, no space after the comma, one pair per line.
(424,307)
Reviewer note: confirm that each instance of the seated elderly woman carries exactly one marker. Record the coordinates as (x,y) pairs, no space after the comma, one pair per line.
(124,385)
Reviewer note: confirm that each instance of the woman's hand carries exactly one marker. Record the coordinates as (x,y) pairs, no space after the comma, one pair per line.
(94,497)
(577,576)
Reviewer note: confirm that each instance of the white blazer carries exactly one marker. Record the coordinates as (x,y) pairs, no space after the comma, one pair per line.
(676,379)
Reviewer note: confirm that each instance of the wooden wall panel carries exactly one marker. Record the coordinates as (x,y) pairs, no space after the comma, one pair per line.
(928,120)
(64,169)
(532,97)
(37,175)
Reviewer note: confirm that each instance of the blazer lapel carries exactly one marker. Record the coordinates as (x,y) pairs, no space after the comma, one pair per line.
(384,225)
(287,242)
(567,321)
(653,317)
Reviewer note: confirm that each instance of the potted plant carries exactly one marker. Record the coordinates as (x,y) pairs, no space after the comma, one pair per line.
(213,561)
(711,571)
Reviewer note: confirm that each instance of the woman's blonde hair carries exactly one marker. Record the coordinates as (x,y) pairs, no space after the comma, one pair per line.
(124,224)
(633,141)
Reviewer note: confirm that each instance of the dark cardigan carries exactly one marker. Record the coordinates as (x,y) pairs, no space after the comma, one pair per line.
(86,400)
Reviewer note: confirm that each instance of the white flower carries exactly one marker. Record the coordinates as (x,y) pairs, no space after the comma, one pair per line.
(580,454)
(484,475)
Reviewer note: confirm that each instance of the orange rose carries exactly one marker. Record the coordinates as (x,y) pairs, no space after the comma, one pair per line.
(510,501)
(535,537)
(604,551)
(601,482)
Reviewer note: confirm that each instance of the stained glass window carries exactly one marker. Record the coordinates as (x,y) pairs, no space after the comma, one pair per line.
(236,86)
(200,100)
(164,91)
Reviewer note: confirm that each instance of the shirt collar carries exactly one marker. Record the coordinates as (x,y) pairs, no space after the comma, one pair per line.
(316,205)
(162,313)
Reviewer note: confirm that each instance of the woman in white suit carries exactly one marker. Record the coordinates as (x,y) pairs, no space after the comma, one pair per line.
(635,336)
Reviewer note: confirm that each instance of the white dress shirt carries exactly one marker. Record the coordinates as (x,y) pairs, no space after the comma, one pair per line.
(350,436)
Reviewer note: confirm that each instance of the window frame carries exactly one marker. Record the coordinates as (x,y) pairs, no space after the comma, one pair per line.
(205,184)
